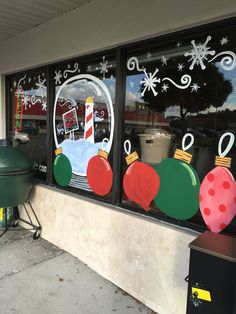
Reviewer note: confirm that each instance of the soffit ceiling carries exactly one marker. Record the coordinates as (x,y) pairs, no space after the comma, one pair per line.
(18,16)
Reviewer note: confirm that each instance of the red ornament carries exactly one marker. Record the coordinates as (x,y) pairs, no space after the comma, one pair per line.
(218,192)
(99,174)
(141,182)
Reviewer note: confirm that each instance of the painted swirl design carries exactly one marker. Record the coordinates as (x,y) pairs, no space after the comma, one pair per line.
(228,62)
(132,63)
(76,69)
(185,81)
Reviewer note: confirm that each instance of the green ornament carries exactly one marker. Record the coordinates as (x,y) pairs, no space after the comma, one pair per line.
(62,170)
(178,195)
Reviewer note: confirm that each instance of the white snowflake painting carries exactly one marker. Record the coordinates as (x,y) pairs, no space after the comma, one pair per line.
(26,101)
(44,106)
(57,77)
(41,87)
(104,67)
(164,60)
(89,68)
(224,41)
(149,82)
(180,67)
(194,87)
(164,87)
(199,54)
(132,84)
(36,94)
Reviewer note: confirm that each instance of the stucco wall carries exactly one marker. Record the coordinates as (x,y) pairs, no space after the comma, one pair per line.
(147,259)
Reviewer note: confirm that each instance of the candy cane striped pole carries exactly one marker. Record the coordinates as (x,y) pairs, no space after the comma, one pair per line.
(89,123)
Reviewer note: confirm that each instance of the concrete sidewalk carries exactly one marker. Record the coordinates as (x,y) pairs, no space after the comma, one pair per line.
(37,277)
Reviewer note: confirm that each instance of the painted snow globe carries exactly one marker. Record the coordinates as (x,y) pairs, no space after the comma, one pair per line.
(83,123)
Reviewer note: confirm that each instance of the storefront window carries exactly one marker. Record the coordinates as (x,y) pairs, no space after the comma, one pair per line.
(28,127)
(180,101)
(84,123)
(186,85)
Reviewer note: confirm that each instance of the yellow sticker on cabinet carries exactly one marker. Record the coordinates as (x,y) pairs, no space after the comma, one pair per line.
(202,294)
(1,214)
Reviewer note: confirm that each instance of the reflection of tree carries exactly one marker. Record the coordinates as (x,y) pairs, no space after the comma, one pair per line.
(225,118)
(214,90)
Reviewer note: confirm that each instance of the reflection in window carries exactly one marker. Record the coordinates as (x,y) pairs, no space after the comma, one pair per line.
(186,85)
(28,94)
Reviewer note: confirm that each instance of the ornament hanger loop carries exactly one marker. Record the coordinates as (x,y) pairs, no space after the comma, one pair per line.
(127,147)
(105,144)
(229,146)
(184,146)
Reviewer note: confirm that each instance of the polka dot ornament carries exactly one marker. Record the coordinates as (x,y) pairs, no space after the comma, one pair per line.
(218,196)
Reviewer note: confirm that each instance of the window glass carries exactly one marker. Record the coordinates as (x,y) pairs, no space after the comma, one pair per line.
(84,124)
(186,85)
(176,85)
(28,129)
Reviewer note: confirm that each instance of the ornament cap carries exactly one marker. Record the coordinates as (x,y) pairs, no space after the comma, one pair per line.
(131,158)
(58,151)
(182,155)
(102,153)
(223,161)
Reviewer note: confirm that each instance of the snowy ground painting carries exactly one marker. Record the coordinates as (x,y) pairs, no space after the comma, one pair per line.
(79,152)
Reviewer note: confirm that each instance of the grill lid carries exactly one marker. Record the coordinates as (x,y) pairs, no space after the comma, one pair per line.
(12,160)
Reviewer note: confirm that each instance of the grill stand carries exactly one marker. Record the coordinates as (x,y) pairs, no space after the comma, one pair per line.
(16,218)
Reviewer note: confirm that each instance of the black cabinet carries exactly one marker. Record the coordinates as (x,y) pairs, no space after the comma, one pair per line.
(212,275)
